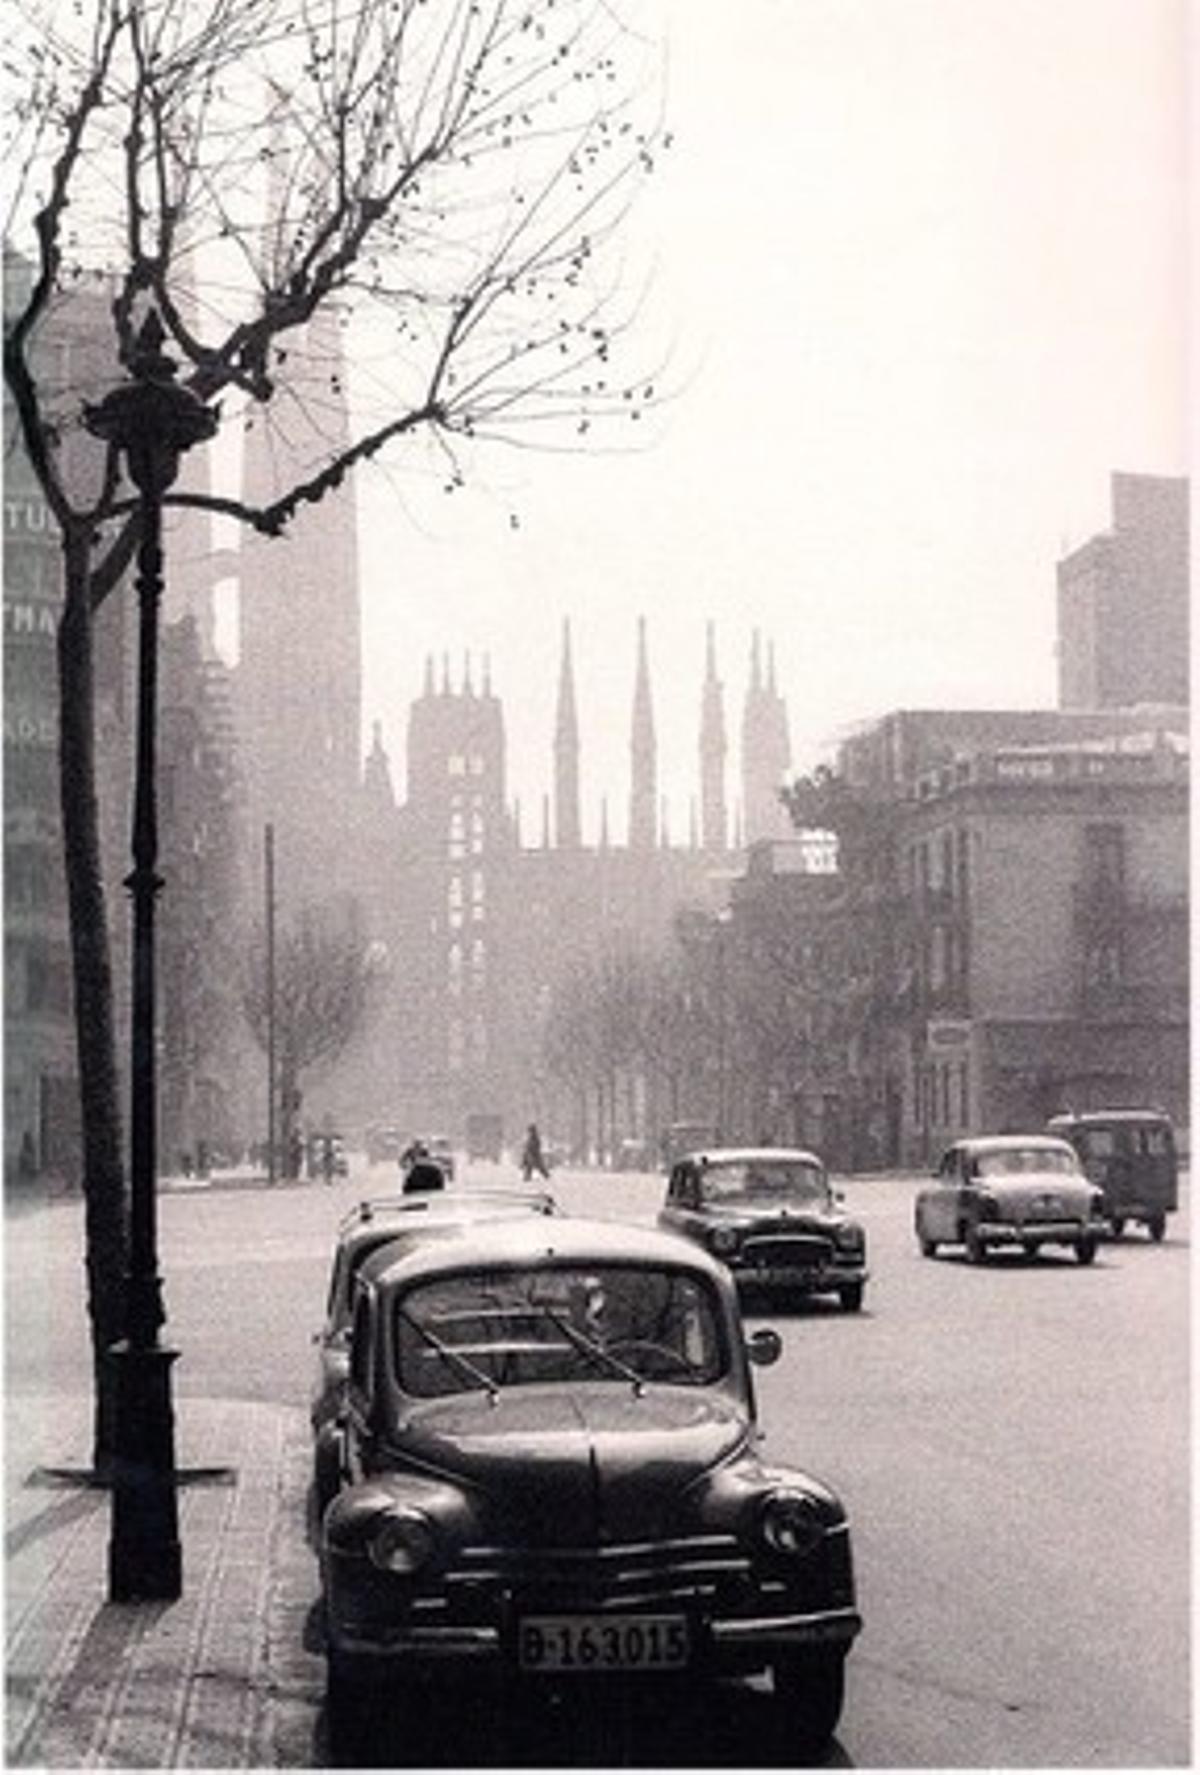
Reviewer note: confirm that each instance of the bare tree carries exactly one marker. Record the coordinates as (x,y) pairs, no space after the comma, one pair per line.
(451,171)
(321,982)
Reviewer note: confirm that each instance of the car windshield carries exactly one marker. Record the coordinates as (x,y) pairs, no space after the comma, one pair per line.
(1012,1161)
(620,1323)
(782,1182)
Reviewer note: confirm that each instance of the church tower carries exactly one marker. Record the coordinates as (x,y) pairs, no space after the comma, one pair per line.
(766,752)
(713,831)
(566,754)
(300,655)
(643,796)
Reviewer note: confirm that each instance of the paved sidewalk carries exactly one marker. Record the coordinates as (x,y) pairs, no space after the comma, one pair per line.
(231,1675)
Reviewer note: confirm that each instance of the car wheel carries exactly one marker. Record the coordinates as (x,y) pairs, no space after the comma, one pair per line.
(1085,1251)
(1118,1225)
(1156,1226)
(928,1247)
(976,1247)
(851,1297)
(809,1690)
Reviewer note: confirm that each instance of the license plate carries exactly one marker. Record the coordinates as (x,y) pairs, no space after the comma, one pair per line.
(602,1642)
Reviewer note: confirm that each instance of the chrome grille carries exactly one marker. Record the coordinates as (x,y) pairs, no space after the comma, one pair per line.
(786,1252)
(630,1575)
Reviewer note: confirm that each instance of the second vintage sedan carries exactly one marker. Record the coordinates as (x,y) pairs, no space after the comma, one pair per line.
(1023,1190)
(771,1215)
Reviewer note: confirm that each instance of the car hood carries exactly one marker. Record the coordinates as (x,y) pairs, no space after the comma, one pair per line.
(602,1463)
(1071,1193)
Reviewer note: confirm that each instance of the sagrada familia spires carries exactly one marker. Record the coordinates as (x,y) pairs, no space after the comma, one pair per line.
(713,828)
(566,754)
(766,752)
(643,796)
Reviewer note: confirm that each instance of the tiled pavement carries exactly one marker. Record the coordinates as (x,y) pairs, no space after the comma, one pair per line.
(229,1676)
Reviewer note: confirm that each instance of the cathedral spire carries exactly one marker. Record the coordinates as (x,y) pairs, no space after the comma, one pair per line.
(713,829)
(643,798)
(766,752)
(566,753)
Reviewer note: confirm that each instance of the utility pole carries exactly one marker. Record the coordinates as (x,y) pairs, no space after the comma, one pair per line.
(269,877)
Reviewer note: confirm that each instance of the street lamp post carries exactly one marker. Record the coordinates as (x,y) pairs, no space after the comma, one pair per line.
(152,421)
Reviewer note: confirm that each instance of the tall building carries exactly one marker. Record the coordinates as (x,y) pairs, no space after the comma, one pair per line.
(1123,602)
(766,752)
(300,650)
(643,786)
(41,1090)
(713,816)
(566,754)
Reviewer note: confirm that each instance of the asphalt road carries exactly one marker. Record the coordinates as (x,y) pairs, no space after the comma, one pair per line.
(1012,1442)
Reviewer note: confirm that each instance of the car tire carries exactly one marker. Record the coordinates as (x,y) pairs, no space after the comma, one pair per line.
(809,1690)
(851,1297)
(928,1246)
(976,1247)
(1156,1226)
(1085,1251)
(1118,1225)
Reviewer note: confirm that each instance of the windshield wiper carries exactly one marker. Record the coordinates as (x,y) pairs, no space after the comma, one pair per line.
(588,1347)
(452,1358)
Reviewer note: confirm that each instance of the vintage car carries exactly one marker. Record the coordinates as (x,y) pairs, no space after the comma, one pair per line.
(1130,1155)
(362,1232)
(1026,1190)
(772,1216)
(551,1475)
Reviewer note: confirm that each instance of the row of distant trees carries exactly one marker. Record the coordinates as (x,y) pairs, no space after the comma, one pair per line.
(768,1022)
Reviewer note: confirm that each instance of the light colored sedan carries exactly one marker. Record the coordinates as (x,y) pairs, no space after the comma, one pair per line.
(1026,1190)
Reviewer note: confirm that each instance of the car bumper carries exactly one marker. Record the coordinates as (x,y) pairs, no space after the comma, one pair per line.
(1048,1232)
(717,1643)
(808,1279)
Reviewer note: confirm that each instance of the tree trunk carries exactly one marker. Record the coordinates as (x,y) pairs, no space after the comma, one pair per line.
(104,1188)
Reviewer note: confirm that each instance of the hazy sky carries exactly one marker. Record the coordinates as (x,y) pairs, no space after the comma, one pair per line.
(919,266)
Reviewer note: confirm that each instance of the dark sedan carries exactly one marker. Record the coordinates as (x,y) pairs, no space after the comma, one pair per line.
(771,1214)
(550,1477)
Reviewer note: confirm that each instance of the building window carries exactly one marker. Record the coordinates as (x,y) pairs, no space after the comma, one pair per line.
(456,765)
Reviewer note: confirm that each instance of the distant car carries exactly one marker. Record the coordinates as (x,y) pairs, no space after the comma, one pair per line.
(435,1148)
(772,1216)
(327,1156)
(550,1477)
(1026,1190)
(1130,1155)
(363,1232)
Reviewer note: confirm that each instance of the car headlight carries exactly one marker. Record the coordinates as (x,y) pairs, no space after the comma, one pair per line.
(988,1206)
(792,1522)
(404,1542)
(724,1240)
(1097,1201)
(848,1238)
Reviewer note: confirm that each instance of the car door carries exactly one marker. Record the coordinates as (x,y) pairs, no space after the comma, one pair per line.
(942,1202)
(679,1210)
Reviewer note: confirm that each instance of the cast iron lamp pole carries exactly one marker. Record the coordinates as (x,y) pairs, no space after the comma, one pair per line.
(152,420)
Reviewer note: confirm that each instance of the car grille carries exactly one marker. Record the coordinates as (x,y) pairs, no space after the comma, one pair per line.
(785,1252)
(632,1575)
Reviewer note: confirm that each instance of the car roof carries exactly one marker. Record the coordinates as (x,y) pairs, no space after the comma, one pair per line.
(563,1239)
(992,1143)
(408,1213)
(745,1155)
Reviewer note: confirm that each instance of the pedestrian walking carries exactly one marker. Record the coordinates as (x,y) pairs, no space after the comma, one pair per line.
(532,1157)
